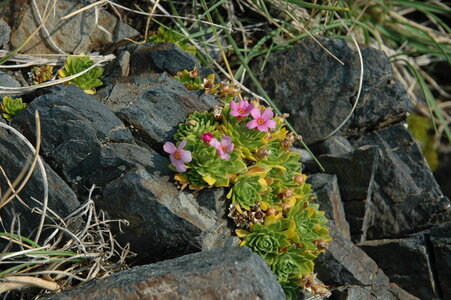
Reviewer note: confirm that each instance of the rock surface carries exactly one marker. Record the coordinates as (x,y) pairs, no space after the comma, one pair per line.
(229,273)
(328,197)
(318,106)
(79,34)
(159,58)
(355,171)
(62,200)
(5,32)
(440,239)
(406,198)
(73,126)
(152,105)
(395,256)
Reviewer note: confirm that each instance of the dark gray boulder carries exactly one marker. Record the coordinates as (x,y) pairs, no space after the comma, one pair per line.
(62,200)
(318,92)
(406,262)
(228,273)
(73,125)
(393,292)
(405,196)
(152,105)
(159,58)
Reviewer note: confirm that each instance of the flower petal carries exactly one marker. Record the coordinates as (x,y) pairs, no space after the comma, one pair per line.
(252,124)
(185,156)
(262,127)
(271,124)
(181,145)
(225,156)
(249,108)
(235,113)
(215,143)
(169,147)
(256,113)
(226,140)
(233,105)
(180,166)
(267,114)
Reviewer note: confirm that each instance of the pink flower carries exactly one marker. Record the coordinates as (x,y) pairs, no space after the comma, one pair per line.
(207,137)
(178,156)
(263,121)
(242,109)
(224,147)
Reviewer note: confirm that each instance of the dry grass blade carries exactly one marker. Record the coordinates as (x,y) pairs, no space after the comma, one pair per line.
(21,282)
(25,60)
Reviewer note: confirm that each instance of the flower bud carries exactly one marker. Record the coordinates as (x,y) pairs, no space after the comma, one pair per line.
(271,211)
(299,179)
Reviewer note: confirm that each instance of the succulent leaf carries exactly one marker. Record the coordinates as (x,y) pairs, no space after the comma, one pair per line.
(89,80)
(10,107)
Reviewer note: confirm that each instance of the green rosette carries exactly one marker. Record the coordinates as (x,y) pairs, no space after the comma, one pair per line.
(10,107)
(195,125)
(89,80)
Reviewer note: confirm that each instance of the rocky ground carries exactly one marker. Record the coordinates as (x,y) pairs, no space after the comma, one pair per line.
(389,220)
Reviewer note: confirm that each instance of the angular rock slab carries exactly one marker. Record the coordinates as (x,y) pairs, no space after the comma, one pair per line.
(328,197)
(160,57)
(405,196)
(318,92)
(406,262)
(344,263)
(164,221)
(73,125)
(82,33)
(152,105)
(355,172)
(229,273)
(440,238)
(62,200)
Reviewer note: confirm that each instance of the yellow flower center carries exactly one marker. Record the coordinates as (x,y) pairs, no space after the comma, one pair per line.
(241,111)
(260,121)
(177,155)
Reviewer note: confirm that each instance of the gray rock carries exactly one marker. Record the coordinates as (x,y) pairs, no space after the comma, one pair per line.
(78,34)
(328,197)
(164,222)
(406,262)
(440,238)
(233,273)
(5,32)
(406,198)
(152,105)
(73,125)
(362,292)
(355,172)
(160,57)
(346,264)
(7,80)
(317,106)
(335,145)
(13,156)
